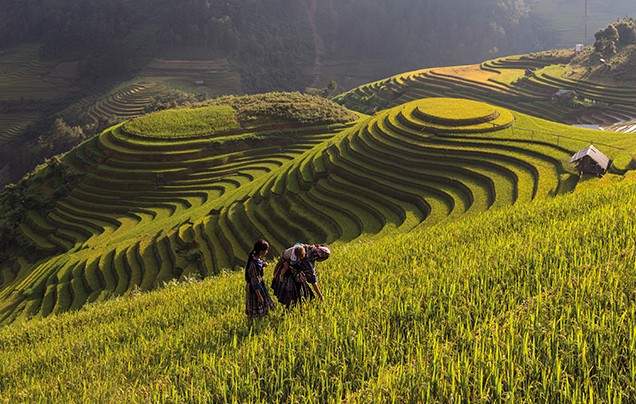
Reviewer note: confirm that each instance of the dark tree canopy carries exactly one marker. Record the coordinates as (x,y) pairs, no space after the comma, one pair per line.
(271,41)
(618,34)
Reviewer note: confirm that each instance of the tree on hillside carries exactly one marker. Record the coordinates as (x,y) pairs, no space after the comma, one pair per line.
(616,35)
(606,41)
(62,137)
(626,31)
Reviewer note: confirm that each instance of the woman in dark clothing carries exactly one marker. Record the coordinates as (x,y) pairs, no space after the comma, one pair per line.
(295,278)
(257,300)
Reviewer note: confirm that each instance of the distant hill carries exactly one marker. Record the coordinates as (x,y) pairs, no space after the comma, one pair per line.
(564,20)
(602,93)
(93,63)
(279,44)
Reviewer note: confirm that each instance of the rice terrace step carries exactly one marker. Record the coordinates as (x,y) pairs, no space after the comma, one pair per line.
(448,234)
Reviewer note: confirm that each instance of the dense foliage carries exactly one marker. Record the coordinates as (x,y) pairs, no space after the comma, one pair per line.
(268,39)
(617,35)
(426,32)
(293,108)
(271,42)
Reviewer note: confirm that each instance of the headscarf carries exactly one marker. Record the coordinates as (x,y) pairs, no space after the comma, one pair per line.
(319,253)
(291,252)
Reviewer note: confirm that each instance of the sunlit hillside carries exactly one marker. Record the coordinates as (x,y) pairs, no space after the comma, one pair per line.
(529,303)
(183,193)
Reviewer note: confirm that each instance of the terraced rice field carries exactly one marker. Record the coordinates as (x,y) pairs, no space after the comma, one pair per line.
(23,75)
(214,77)
(152,209)
(12,125)
(137,192)
(124,103)
(626,127)
(505,306)
(502,82)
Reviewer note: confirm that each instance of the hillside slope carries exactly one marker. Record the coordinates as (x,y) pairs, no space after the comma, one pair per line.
(564,20)
(524,83)
(183,193)
(528,303)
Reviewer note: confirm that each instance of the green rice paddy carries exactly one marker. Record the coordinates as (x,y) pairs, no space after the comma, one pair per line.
(185,122)
(151,209)
(470,261)
(509,306)
(509,87)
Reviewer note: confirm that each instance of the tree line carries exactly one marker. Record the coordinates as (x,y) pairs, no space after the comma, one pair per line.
(270,41)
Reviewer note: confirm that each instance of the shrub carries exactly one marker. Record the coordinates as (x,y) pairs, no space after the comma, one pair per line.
(30,194)
(172,99)
(287,107)
(62,137)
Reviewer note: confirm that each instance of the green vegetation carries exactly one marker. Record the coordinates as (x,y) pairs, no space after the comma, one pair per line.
(538,77)
(456,111)
(185,122)
(618,34)
(153,209)
(293,108)
(37,192)
(508,306)
(229,113)
(453,115)
(443,303)
(613,56)
(124,102)
(429,299)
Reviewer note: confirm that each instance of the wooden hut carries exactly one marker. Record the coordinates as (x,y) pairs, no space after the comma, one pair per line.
(591,161)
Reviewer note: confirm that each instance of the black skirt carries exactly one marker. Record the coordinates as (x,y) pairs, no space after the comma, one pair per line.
(292,288)
(254,308)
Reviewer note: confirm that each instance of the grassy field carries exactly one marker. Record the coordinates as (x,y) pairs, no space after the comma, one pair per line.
(526,303)
(471,262)
(147,210)
(185,122)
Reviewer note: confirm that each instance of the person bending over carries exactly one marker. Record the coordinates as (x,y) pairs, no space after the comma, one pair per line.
(295,278)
